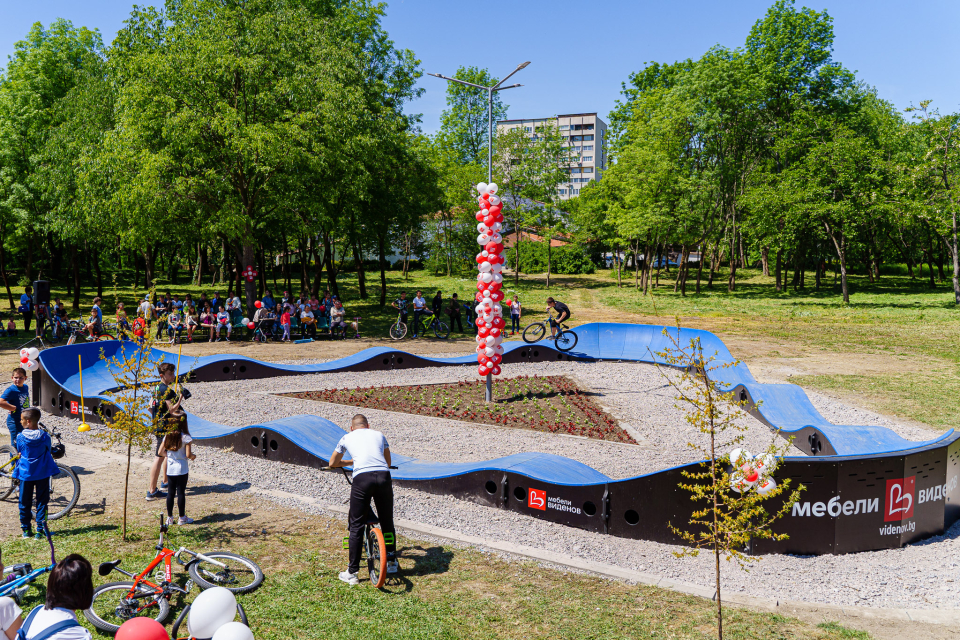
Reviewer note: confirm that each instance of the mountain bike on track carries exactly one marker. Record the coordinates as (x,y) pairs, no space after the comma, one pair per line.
(565,339)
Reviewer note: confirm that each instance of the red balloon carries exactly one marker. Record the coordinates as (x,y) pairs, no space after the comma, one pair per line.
(492,247)
(488,220)
(485,196)
(499,323)
(480,259)
(508,302)
(258,304)
(495,209)
(494,286)
(480,216)
(496,370)
(497,217)
(141,629)
(496,358)
(24,360)
(478,297)
(496,296)
(495,332)
(482,370)
(250,325)
(483,331)
(483,359)
(481,286)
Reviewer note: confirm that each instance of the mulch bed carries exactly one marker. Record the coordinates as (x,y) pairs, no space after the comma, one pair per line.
(554,404)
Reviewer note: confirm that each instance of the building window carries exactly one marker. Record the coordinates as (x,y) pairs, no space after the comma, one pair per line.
(563,192)
(588,170)
(576,192)
(587,138)
(564,127)
(588,147)
(588,158)
(574,169)
(526,129)
(588,127)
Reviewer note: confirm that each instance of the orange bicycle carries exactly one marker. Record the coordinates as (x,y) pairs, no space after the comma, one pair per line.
(116,602)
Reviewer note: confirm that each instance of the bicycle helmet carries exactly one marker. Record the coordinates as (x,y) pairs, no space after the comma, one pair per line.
(58,451)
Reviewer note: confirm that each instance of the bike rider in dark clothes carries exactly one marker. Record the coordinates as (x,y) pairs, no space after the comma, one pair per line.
(563,314)
(371,480)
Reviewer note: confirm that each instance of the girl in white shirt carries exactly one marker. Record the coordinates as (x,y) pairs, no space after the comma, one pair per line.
(177,450)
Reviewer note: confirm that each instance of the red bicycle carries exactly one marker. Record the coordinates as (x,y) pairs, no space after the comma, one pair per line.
(116,602)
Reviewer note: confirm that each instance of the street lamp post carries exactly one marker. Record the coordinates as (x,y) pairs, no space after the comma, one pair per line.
(488,396)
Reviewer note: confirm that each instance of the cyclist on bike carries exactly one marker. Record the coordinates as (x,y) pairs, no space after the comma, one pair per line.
(563,314)
(371,479)
(401,305)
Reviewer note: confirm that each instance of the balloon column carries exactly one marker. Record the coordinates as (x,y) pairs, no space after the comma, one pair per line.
(28,358)
(490,261)
(752,472)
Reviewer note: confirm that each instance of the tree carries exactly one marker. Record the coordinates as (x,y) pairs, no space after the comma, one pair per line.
(464,125)
(733,514)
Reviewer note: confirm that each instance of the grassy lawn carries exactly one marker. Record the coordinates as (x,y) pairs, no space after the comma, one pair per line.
(443,592)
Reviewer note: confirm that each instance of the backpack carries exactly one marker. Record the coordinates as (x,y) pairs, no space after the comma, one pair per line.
(49,632)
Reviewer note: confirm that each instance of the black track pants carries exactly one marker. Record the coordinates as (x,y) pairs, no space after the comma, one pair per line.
(378,486)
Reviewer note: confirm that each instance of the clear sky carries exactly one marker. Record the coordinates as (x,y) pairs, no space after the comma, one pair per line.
(580,52)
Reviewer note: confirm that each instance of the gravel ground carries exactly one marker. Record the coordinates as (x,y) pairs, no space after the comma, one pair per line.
(924,575)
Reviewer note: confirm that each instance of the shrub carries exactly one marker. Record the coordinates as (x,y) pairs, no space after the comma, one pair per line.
(568,259)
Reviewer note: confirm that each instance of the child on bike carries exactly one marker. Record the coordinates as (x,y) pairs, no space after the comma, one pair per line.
(177,450)
(95,326)
(34,470)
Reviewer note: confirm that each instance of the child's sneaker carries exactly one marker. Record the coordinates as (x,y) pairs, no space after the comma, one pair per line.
(185,520)
(40,536)
(27,534)
(349,578)
(171,520)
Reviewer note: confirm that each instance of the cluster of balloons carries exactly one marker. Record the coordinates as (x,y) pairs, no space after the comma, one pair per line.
(752,472)
(490,323)
(28,358)
(211,618)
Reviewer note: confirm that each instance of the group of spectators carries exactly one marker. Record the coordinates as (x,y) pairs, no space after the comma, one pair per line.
(456,310)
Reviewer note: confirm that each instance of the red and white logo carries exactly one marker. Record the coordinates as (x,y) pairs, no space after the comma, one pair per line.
(537,499)
(899,500)
(74,407)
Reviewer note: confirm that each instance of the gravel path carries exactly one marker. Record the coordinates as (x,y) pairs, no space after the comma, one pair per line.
(924,575)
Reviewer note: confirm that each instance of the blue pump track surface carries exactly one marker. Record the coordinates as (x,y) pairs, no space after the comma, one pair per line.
(781,406)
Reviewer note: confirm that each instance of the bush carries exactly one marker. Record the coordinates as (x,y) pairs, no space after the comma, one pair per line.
(568,259)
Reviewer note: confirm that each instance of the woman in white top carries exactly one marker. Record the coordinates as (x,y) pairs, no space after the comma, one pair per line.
(177,450)
(69,589)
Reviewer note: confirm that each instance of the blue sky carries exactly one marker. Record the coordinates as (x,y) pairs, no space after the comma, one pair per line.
(580,52)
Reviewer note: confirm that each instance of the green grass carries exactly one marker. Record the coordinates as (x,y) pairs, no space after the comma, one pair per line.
(443,592)
(843,632)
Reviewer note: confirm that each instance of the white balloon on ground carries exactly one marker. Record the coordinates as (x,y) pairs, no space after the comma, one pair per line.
(233,631)
(211,610)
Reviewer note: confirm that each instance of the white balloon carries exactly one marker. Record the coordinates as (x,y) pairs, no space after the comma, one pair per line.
(489,351)
(233,631)
(492,188)
(765,463)
(497,227)
(498,350)
(482,228)
(766,486)
(485,267)
(496,268)
(478,309)
(245,321)
(494,201)
(491,341)
(211,610)
(485,253)
(496,237)
(488,278)
(31,365)
(486,294)
(24,353)
(496,340)
(482,188)
(33,353)
(497,278)
(497,309)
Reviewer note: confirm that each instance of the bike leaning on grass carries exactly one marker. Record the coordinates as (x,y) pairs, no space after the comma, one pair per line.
(116,602)
(64,486)
(398,329)
(565,339)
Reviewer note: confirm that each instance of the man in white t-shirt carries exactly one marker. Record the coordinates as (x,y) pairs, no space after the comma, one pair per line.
(371,480)
(146,308)
(419,308)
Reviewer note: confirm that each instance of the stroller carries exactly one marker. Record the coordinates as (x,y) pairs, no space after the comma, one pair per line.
(264,329)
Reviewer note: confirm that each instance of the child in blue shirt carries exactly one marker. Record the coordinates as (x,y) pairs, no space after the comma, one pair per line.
(34,470)
(15,399)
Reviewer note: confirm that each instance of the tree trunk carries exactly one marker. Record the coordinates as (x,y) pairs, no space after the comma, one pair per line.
(779,270)
(318,266)
(684,270)
(75,266)
(29,266)
(765,259)
(699,269)
(331,269)
(732,278)
(382,251)
(956,263)
(201,263)
(262,268)
(616,263)
(304,265)
(406,259)
(288,285)
(840,246)
(676,282)
(95,257)
(549,242)
(516,267)
(3,271)
(248,259)
(361,276)
(636,264)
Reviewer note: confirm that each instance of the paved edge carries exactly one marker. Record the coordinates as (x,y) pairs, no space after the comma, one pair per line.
(790,607)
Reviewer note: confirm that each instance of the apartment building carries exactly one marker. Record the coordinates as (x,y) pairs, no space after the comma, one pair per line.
(583,134)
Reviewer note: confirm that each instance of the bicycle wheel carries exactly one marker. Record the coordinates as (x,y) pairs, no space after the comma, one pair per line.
(534,332)
(376,556)
(441,330)
(566,340)
(64,493)
(398,331)
(111,607)
(7,482)
(56,333)
(240,575)
(105,336)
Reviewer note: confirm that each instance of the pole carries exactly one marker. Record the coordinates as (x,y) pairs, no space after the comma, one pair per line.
(83,416)
(488,392)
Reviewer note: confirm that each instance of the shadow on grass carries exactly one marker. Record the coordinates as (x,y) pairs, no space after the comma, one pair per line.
(426,561)
(219,488)
(87,529)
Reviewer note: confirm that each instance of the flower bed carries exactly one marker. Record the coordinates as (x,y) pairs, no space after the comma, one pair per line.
(554,404)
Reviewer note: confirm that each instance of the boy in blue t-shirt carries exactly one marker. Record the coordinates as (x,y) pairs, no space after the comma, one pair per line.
(34,469)
(15,399)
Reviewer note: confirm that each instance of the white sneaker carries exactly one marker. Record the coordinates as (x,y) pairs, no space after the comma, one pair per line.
(185,520)
(392,566)
(171,520)
(349,578)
